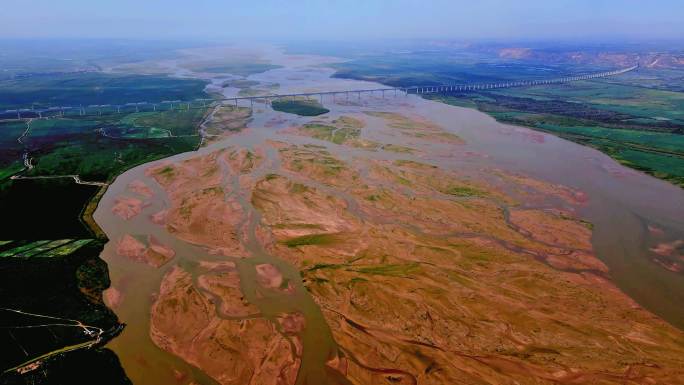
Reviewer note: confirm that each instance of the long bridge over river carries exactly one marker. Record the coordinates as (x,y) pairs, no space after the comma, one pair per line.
(168,105)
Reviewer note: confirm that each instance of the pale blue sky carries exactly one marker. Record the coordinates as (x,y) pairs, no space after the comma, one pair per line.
(343,19)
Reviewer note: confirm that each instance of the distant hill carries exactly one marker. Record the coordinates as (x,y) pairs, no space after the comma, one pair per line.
(607,58)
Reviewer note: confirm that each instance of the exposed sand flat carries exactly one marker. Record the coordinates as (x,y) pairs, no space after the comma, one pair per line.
(159,217)
(127,208)
(130,247)
(269,276)
(199,212)
(153,253)
(423,275)
(480,299)
(139,187)
(112,297)
(235,352)
(225,285)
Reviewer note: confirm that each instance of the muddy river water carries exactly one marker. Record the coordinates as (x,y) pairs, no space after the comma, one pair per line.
(631,213)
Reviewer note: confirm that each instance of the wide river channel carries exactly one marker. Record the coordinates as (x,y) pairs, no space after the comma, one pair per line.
(631,212)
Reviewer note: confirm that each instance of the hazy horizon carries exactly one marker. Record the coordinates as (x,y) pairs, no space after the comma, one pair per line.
(597,20)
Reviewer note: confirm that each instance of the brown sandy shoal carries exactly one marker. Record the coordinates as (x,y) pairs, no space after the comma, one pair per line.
(126,207)
(249,351)
(444,289)
(139,187)
(153,253)
(419,275)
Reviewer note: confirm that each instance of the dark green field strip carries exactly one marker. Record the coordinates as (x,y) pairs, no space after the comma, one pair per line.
(24,248)
(45,248)
(10,244)
(68,248)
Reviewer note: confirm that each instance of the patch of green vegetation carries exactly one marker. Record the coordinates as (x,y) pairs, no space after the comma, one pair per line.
(341,135)
(10,170)
(97,158)
(314,146)
(413,164)
(311,239)
(216,190)
(302,107)
(161,124)
(356,280)
(348,122)
(185,209)
(329,165)
(239,68)
(373,197)
(460,279)
(167,171)
(318,131)
(403,180)
(397,148)
(331,266)
(240,83)
(464,191)
(331,134)
(297,226)
(298,188)
(392,270)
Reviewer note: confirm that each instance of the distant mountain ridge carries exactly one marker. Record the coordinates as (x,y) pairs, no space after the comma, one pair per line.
(618,59)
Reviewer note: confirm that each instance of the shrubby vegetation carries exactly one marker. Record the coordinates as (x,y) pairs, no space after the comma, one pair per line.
(302,107)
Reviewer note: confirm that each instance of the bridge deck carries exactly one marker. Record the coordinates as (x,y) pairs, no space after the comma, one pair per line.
(428,89)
